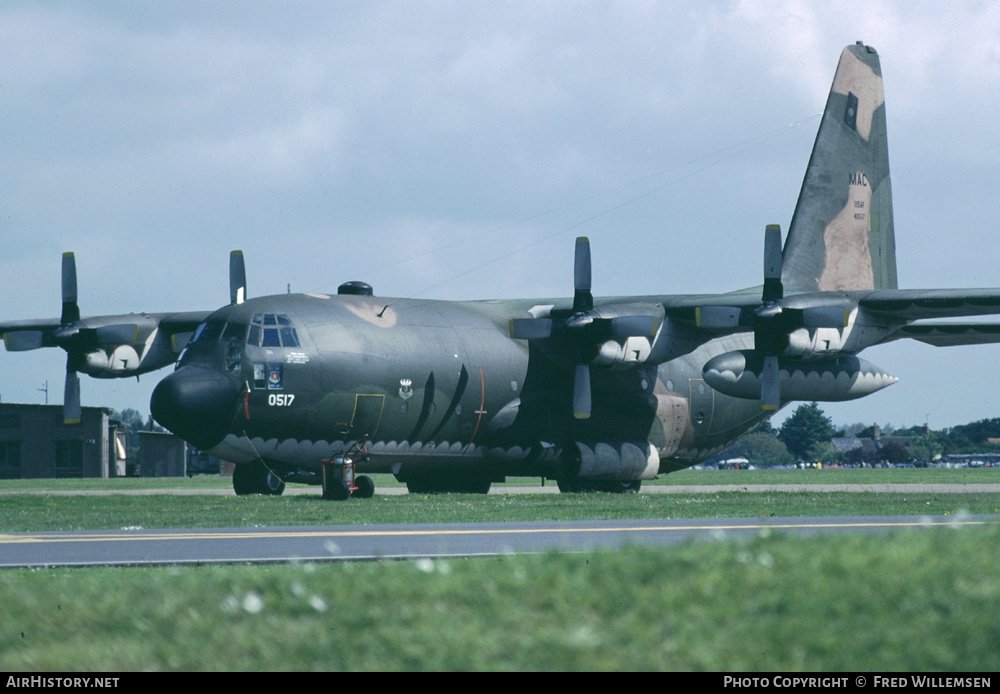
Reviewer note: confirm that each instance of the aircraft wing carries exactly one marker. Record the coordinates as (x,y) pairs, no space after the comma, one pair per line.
(177,324)
(23,335)
(716,313)
(907,306)
(929,314)
(916,304)
(943,333)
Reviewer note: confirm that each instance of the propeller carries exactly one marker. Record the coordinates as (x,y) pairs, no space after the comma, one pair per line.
(773,320)
(237,278)
(77,339)
(82,338)
(66,337)
(584,326)
(769,335)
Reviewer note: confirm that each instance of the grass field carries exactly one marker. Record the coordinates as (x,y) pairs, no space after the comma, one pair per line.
(36,512)
(684,477)
(919,601)
(924,600)
(65,510)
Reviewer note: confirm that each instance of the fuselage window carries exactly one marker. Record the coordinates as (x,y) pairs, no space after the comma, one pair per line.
(259,376)
(234,355)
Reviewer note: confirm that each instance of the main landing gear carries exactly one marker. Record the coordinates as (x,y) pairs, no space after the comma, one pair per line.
(578,486)
(256,478)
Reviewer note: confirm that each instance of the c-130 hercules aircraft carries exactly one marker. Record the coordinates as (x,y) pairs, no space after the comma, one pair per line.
(597,393)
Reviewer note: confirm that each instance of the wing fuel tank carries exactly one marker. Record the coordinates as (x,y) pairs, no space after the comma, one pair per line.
(825,380)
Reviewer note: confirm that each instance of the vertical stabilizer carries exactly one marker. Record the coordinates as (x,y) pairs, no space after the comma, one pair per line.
(841,235)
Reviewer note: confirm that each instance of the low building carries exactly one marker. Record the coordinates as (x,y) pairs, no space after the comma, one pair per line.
(162,454)
(34,442)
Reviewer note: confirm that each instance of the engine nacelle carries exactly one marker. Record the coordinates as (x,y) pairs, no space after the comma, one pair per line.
(618,461)
(629,352)
(824,380)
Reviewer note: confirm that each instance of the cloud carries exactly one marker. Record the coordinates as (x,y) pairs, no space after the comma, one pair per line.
(455,149)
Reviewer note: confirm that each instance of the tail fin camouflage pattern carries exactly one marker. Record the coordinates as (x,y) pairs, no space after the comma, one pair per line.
(841,235)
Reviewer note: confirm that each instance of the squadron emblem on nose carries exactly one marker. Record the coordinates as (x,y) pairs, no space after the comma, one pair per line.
(405,388)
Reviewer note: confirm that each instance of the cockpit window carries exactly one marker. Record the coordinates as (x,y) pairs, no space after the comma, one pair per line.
(272,330)
(289,338)
(236,332)
(271,338)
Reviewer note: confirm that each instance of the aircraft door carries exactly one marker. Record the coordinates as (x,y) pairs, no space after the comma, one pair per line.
(367,415)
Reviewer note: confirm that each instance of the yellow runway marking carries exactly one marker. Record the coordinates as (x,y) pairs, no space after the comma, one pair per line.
(261,534)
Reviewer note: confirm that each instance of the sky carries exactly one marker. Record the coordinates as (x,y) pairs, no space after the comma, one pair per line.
(454,150)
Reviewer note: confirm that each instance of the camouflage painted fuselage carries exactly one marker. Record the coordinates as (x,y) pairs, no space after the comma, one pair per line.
(438,386)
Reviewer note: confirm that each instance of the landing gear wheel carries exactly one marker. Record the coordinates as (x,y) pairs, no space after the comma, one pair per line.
(365,487)
(590,486)
(336,490)
(273,485)
(256,478)
(576,486)
(243,483)
(620,486)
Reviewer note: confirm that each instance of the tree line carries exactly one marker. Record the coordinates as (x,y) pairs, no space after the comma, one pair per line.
(808,434)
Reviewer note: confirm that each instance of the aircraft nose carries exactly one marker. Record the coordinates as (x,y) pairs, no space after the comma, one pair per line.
(197,404)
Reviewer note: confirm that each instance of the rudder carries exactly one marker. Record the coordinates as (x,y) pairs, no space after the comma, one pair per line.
(841,236)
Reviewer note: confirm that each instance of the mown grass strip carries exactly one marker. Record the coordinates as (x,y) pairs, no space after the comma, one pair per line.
(51,512)
(924,600)
(684,477)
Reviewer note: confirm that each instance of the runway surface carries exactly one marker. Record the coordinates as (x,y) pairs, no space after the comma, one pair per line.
(304,490)
(359,543)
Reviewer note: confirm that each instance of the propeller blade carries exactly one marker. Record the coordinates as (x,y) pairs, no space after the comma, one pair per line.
(23,340)
(581,392)
(530,328)
(72,412)
(770,385)
(122,334)
(70,309)
(237,278)
(633,326)
(583,300)
(717,316)
(773,289)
